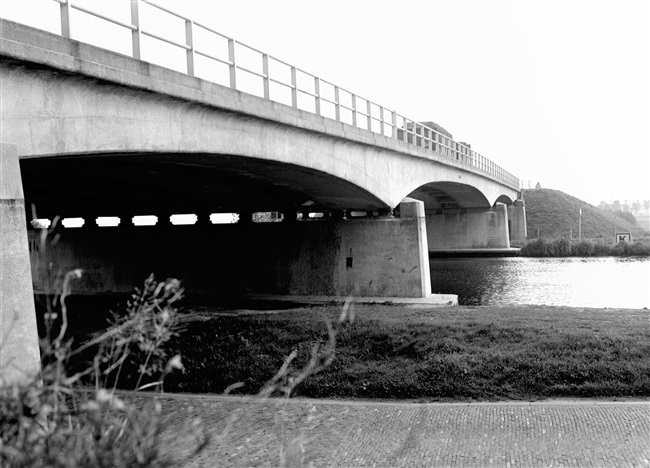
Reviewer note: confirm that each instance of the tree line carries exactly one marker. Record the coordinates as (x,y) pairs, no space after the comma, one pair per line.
(627,210)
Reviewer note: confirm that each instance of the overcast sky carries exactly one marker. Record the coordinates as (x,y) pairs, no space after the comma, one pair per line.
(556,92)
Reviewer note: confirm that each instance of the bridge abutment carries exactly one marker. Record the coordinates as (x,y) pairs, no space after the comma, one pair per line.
(19,351)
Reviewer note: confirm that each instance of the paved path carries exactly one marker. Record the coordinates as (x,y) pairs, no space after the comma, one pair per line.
(348,434)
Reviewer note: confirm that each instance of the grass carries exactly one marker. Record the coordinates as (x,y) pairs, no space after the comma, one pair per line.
(393,352)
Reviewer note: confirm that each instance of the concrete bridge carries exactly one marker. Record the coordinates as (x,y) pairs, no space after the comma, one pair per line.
(88,132)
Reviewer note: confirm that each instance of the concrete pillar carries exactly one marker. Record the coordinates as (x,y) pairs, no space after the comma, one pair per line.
(518,230)
(500,235)
(414,209)
(19,352)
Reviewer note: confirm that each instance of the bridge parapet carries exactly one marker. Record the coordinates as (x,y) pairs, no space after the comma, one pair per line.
(244,68)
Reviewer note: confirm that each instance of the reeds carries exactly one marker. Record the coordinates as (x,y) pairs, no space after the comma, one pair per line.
(563,247)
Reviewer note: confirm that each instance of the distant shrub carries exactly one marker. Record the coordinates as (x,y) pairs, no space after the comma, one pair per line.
(619,250)
(601,250)
(536,248)
(624,249)
(561,247)
(583,249)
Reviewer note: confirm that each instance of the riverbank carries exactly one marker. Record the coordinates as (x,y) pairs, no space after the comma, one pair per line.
(440,354)
(563,247)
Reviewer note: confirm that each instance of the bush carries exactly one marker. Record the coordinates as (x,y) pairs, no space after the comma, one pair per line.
(565,248)
(562,247)
(536,248)
(624,249)
(601,250)
(583,249)
(51,421)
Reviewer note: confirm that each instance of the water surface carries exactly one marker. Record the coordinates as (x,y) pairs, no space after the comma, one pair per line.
(576,282)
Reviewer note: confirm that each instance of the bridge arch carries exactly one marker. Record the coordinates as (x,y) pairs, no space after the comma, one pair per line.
(162,182)
(444,195)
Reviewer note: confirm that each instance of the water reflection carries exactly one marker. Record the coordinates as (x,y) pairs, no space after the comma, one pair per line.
(576,282)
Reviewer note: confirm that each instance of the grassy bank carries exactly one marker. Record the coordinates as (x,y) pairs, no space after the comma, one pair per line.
(392,352)
(563,247)
(552,213)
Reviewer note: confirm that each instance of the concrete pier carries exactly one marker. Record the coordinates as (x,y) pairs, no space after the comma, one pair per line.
(517,217)
(19,351)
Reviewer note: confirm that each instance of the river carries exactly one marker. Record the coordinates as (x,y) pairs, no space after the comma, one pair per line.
(613,282)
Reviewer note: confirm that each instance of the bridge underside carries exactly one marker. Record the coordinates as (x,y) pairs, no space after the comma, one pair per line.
(139,184)
(370,256)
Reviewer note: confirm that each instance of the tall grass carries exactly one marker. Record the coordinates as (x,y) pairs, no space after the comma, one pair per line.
(54,420)
(563,247)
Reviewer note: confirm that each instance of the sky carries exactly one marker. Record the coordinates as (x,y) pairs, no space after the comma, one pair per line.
(555,92)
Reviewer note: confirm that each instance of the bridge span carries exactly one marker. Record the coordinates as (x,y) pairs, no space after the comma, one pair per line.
(87,132)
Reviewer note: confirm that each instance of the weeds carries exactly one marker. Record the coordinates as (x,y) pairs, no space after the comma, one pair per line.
(49,420)
(73,414)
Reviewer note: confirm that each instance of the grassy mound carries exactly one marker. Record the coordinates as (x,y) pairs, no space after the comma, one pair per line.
(555,214)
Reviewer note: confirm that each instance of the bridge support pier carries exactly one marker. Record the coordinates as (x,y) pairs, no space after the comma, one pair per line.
(19,351)
(469,230)
(517,216)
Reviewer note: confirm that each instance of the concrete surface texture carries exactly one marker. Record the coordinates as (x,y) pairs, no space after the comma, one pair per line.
(365,434)
(19,351)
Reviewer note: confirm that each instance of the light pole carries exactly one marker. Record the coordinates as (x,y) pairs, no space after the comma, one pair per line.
(580,224)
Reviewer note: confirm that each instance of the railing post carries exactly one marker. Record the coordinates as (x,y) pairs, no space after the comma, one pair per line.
(189,40)
(267,78)
(337,105)
(393,121)
(294,88)
(381,120)
(354,109)
(369,107)
(233,65)
(65,19)
(135,33)
(317,93)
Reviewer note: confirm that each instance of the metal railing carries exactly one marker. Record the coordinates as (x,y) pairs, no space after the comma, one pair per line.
(344,106)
